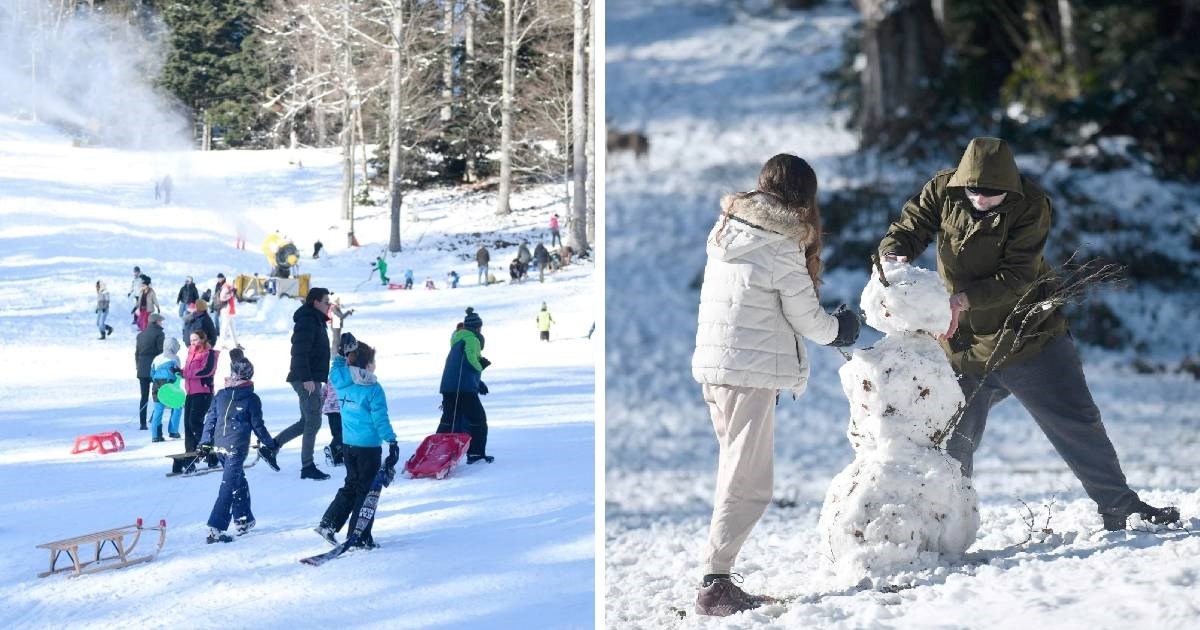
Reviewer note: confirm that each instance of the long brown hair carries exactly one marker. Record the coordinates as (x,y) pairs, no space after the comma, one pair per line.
(361,357)
(791,181)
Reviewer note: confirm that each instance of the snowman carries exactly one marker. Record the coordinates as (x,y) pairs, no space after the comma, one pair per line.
(903,503)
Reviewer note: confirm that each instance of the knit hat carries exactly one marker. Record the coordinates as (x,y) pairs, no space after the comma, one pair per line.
(239,366)
(201,305)
(472,321)
(156,318)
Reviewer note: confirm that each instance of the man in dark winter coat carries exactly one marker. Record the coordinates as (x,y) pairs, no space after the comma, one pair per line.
(541,256)
(461,387)
(991,224)
(149,345)
(483,258)
(308,374)
(188,294)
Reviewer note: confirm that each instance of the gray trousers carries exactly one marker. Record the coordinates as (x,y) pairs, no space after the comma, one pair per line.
(1052,389)
(308,424)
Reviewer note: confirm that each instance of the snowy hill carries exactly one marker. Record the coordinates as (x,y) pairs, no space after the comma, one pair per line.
(510,544)
(717,90)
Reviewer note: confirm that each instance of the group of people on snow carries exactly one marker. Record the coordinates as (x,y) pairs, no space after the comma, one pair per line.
(990,224)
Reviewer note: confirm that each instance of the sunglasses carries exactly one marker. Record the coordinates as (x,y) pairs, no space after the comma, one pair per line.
(984,192)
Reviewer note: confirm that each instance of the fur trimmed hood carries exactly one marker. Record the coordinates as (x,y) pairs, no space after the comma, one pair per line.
(766,212)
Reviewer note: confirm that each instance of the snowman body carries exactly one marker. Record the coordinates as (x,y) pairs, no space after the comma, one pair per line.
(902,503)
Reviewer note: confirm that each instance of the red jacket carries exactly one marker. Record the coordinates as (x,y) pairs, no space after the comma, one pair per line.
(198,371)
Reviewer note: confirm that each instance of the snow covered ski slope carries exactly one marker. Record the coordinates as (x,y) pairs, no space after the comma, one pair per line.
(717,90)
(507,544)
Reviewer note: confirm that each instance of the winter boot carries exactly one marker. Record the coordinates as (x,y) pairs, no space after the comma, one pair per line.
(720,597)
(215,535)
(471,459)
(243,525)
(143,427)
(158,437)
(173,436)
(268,455)
(1158,516)
(102,335)
(107,329)
(326,531)
(312,472)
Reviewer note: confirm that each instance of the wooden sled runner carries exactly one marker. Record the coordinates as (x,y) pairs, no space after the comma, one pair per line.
(115,537)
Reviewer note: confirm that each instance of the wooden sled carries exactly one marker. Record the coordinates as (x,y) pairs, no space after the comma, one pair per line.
(115,537)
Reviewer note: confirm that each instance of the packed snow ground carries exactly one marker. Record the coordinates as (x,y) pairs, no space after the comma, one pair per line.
(510,544)
(718,90)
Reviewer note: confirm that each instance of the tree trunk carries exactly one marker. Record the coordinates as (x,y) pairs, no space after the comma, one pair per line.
(395,193)
(469,65)
(506,101)
(448,60)
(903,48)
(591,121)
(1066,21)
(347,125)
(579,129)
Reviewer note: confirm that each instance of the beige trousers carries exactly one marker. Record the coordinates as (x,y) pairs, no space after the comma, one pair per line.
(744,421)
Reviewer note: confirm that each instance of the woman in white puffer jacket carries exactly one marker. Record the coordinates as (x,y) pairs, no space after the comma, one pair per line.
(759,299)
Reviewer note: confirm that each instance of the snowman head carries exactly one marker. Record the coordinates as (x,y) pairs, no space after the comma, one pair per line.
(915,300)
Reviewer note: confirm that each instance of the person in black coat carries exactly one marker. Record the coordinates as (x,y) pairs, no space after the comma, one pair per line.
(188,294)
(308,374)
(199,320)
(149,345)
(541,256)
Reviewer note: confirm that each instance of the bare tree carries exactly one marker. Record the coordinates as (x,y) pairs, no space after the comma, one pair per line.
(579,127)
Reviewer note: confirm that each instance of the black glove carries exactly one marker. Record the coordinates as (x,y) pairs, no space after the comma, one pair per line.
(347,344)
(204,450)
(483,388)
(393,454)
(848,326)
(484,362)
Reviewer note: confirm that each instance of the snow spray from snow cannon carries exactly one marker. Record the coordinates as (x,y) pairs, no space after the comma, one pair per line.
(902,503)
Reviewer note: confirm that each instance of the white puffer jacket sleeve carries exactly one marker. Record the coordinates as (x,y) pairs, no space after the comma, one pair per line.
(756,304)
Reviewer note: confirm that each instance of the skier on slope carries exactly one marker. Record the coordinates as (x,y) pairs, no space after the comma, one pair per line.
(365,427)
(461,387)
(758,302)
(235,412)
(991,224)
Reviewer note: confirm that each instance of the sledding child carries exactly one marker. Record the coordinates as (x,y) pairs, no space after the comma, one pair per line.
(461,387)
(759,300)
(235,412)
(163,370)
(382,266)
(408,279)
(333,412)
(365,427)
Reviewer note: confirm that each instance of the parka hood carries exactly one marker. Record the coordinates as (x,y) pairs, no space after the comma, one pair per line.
(988,163)
(362,376)
(755,220)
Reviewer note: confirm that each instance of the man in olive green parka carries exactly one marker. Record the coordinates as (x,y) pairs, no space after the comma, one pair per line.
(991,224)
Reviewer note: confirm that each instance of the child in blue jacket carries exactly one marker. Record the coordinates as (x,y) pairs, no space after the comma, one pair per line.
(164,370)
(236,411)
(365,427)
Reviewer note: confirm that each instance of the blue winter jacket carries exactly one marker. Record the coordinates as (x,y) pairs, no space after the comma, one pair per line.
(463,368)
(364,406)
(235,412)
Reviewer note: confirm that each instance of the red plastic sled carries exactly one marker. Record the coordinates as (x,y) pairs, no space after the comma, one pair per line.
(437,454)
